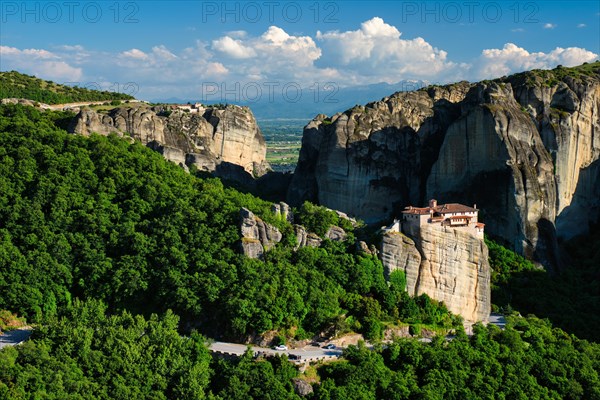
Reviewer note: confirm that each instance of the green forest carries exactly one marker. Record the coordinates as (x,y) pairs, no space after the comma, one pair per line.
(99,218)
(16,85)
(569,298)
(126,264)
(89,354)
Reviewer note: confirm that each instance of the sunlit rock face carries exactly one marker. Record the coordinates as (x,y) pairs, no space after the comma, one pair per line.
(448,265)
(524,148)
(205,138)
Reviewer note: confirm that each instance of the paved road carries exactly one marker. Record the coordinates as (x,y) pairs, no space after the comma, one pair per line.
(307,353)
(15,337)
(498,320)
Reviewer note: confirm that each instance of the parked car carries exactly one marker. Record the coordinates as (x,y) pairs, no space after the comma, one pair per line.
(330,346)
(280,347)
(294,357)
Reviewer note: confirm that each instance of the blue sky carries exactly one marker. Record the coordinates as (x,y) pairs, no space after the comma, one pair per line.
(185,48)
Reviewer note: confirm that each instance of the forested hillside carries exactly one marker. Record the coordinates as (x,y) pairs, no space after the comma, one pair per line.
(116,253)
(99,218)
(88,354)
(16,85)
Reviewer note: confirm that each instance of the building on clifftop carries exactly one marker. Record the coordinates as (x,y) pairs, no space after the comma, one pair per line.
(444,216)
(440,249)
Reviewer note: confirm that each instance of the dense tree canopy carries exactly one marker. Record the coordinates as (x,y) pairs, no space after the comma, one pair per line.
(570,298)
(88,354)
(527,360)
(133,236)
(99,218)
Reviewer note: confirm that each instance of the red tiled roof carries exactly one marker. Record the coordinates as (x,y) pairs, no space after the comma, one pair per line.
(441,209)
(480,225)
(416,210)
(453,208)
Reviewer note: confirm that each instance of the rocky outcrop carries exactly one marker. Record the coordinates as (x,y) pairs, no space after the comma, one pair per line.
(301,387)
(449,265)
(524,148)
(362,246)
(283,210)
(205,140)
(336,234)
(25,102)
(305,238)
(257,236)
(391,334)
(369,159)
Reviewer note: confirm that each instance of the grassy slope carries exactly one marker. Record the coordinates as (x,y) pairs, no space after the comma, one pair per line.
(16,85)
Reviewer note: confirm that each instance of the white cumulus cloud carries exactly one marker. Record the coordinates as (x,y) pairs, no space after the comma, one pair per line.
(274,55)
(548,25)
(38,62)
(233,48)
(512,58)
(162,53)
(135,54)
(378,50)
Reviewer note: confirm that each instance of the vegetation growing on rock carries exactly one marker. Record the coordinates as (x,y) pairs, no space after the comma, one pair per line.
(568,298)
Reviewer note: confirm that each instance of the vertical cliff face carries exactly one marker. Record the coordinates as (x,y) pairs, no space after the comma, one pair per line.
(448,265)
(567,116)
(236,138)
(216,136)
(493,155)
(369,159)
(525,148)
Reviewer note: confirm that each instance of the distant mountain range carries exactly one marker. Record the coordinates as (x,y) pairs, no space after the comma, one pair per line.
(308,102)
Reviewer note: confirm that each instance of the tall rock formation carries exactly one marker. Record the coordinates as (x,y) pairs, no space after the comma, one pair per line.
(525,148)
(369,160)
(565,107)
(494,156)
(205,139)
(448,265)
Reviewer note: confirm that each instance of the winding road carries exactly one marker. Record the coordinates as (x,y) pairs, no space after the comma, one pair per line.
(308,353)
